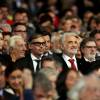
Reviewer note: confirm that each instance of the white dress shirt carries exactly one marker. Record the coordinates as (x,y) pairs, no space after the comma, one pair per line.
(34,61)
(66,59)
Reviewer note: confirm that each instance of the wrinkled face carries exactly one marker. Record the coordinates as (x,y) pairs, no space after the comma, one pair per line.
(39,94)
(15,79)
(70,45)
(1,41)
(89,50)
(47,42)
(97,37)
(2,77)
(37,46)
(71,79)
(20,48)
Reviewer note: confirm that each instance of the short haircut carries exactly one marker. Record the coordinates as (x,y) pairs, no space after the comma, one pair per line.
(49,72)
(17,24)
(10,68)
(38,33)
(85,41)
(65,34)
(44,18)
(41,81)
(93,33)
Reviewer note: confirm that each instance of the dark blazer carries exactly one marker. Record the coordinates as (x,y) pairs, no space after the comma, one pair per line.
(85,66)
(65,66)
(25,62)
(27,95)
(8,96)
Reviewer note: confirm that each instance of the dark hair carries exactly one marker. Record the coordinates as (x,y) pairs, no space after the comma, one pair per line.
(22,10)
(93,33)
(60,83)
(18,23)
(12,67)
(38,33)
(56,59)
(45,18)
(86,40)
(90,20)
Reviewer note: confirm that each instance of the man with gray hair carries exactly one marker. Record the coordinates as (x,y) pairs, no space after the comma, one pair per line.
(70,46)
(87,88)
(17,47)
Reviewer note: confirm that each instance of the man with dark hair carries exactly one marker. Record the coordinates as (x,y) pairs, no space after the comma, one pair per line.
(36,46)
(20,29)
(88,49)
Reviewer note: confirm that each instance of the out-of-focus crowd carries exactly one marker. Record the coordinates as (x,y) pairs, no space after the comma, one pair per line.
(49,50)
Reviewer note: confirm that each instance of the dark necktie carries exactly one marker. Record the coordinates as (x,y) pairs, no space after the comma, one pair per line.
(72,64)
(37,67)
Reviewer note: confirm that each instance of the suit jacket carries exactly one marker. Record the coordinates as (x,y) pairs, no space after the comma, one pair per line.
(65,66)
(26,62)
(8,96)
(85,66)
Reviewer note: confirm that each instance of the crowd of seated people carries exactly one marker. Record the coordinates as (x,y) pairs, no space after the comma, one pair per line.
(47,52)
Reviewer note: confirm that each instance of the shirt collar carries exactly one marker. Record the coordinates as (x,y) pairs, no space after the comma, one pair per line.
(67,57)
(33,57)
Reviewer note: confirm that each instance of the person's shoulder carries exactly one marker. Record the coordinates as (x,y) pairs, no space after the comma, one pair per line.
(10,96)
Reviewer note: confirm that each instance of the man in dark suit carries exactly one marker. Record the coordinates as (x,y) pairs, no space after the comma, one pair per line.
(69,47)
(88,48)
(36,46)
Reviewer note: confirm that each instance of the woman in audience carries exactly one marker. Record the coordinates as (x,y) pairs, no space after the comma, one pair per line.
(65,82)
(17,83)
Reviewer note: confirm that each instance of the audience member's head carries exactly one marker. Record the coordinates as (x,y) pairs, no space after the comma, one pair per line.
(42,90)
(88,48)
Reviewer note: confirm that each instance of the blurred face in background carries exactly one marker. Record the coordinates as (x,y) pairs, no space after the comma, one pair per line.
(97,38)
(15,79)
(71,79)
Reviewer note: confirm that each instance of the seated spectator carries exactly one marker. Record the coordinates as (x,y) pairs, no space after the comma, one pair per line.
(87,88)
(17,83)
(65,82)
(42,90)
(51,62)
(88,48)
(51,74)
(4,95)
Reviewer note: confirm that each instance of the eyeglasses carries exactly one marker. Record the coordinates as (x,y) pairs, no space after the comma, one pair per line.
(38,43)
(91,47)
